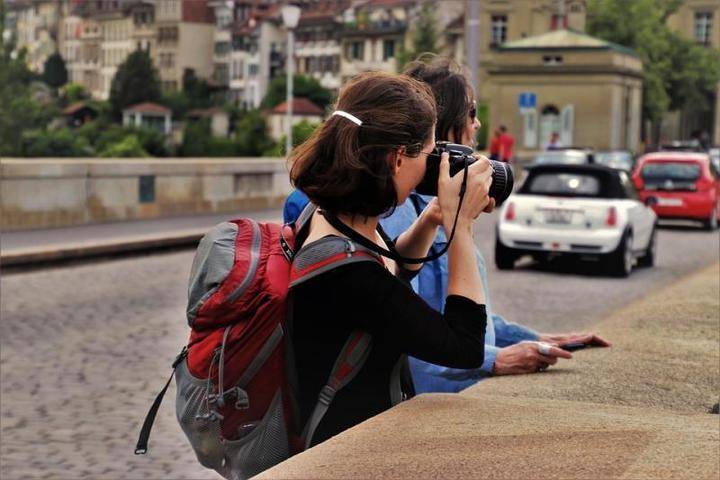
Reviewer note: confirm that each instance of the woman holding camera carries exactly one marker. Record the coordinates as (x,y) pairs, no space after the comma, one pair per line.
(363,161)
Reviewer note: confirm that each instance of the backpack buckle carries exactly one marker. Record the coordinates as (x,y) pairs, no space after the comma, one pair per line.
(327,393)
(242,400)
(350,248)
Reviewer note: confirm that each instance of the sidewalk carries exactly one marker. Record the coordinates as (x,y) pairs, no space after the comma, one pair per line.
(22,248)
(637,410)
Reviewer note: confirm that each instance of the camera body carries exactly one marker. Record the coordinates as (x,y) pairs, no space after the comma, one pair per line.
(461,155)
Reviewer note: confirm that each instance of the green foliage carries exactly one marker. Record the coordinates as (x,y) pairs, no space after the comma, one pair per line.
(301,131)
(19,112)
(678,72)
(135,81)
(303,86)
(252,137)
(128,146)
(73,92)
(424,37)
(54,71)
(103,137)
(59,143)
(483,114)
(198,141)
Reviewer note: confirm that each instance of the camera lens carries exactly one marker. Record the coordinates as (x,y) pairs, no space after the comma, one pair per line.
(460,155)
(502,183)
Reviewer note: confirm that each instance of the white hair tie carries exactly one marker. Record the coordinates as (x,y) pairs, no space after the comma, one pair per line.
(349,116)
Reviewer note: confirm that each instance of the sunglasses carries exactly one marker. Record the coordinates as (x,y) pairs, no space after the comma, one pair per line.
(472,113)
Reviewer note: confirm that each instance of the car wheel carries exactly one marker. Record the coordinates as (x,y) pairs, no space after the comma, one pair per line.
(620,261)
(648,259)
(712,222)
(504,256)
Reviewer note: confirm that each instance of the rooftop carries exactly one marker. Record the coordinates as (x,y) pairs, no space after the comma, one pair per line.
(148,107)
(565,40)
(300,106)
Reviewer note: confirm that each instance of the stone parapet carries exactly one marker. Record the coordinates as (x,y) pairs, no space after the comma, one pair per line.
(640,409)
(50,192)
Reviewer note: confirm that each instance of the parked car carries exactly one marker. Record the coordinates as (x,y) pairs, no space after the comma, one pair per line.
(564,156)
(620,159)
(586,211)
(715,157)
(680,185)
(681,146)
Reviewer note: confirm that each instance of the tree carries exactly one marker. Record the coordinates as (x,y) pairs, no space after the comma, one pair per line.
(198,141)
(301,131)
(18,111)
(424,38)
(252,137)
(136,81)
(128,147)
(54,71)
(678,73)
(74,92)
(303,86)
(59,143)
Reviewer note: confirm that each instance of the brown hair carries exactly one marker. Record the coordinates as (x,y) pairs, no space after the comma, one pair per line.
(452,90)
(344,167)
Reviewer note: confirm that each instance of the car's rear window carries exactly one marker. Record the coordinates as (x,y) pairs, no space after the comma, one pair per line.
(614,159)
(673,171)
(563,184)
(561,157)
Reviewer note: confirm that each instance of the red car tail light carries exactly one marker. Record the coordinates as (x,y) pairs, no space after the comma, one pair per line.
(611,219)
(510,212)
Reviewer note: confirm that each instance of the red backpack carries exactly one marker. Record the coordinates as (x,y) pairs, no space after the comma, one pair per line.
(235,379)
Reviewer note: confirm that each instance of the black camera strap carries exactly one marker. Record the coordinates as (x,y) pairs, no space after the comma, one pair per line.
(371,245)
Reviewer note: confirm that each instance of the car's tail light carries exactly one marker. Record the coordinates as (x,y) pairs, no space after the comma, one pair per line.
(510,212)
(611,219)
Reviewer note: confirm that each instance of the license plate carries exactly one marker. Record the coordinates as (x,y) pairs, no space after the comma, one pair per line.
(670,202)
(562,217)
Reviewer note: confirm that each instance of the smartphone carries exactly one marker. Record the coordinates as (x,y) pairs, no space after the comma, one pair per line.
(571,347)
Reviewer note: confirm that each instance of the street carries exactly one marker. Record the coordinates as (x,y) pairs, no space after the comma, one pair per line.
(85,348)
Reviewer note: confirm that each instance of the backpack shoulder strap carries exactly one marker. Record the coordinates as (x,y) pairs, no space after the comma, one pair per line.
(312,260)
(326,254)
(347,365)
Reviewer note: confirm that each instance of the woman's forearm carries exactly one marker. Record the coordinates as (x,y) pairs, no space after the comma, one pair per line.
(416,241)
(463,274)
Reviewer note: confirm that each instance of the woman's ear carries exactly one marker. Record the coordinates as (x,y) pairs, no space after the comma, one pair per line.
(396,158)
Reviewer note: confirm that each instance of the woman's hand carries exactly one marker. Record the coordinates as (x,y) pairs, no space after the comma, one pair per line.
(433,213)
(479,179)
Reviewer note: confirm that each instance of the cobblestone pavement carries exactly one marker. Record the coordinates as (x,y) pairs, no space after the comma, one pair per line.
(85,348)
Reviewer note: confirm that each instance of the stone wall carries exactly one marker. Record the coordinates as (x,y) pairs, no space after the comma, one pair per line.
(51,192)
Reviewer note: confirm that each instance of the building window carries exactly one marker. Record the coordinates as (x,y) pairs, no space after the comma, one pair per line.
(703,27)
(254,69)
(498,30)
(552,60)
(388,49)
(167,34)
(167,60)
(356,51)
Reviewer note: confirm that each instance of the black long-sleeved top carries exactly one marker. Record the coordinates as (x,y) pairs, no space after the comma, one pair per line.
(327,308)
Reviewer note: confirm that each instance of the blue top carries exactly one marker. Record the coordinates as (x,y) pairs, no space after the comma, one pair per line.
(432,284)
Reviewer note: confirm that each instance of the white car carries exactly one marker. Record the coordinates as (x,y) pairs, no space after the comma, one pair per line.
(589,211)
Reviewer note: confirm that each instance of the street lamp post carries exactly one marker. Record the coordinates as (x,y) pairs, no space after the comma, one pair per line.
(291,16)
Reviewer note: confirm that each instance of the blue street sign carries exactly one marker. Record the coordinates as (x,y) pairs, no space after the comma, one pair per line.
(527,100)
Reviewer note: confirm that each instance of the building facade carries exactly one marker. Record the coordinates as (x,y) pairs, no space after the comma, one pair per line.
(698,20)
(587,90)
(36,24)
(185,40)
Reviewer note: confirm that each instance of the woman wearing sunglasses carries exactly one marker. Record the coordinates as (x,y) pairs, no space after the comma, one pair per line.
(509,348)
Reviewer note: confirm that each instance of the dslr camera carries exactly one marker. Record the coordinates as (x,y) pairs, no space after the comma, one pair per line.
(461,155)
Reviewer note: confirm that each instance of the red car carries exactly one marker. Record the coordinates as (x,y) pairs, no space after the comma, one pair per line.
(680,185)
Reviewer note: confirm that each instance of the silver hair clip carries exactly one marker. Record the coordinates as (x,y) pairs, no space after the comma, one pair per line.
(349,116)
